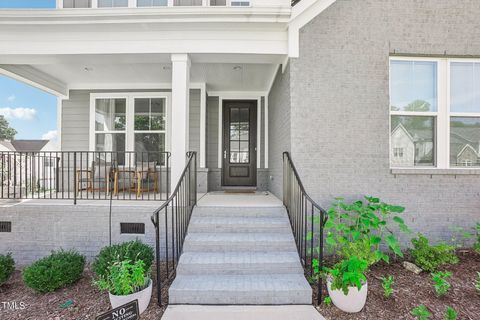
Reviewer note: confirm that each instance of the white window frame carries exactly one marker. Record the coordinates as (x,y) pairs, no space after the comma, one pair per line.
(130,116)
(443,114)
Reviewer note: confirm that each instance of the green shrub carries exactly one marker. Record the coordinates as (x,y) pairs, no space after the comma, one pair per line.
(7,266)
(421,313)
(428,257)
(440,280)
(477,282)
(387,285)
(451,314)
(476,245)
(56,271)
(125,278)
(132,251)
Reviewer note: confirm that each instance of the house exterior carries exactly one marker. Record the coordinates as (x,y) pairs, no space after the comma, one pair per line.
(369,97)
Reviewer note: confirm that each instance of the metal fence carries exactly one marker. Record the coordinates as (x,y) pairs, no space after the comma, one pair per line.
(85,175)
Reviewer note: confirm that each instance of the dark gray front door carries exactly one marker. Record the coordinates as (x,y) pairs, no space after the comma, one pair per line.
(239,143)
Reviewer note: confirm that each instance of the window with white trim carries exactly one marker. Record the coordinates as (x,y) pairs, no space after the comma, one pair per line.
(434,112)
(130,122)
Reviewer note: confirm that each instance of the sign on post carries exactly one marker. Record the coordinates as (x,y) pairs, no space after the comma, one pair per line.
(128,311)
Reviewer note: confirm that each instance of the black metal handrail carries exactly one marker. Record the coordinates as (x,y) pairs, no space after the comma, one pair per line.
(85,175)
(307,219)
(179,207)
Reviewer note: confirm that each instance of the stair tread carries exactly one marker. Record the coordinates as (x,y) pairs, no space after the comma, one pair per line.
(239,237)
(239,257)
(241,283)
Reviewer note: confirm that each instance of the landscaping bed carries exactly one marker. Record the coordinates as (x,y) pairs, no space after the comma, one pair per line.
(87,301)
(411,290)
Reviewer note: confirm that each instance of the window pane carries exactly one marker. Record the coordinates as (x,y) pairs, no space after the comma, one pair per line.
(150,114)
(151,3)
(464,87)
(412,141)
(464,142)
(149,146)
(76,3)
(112,3)
(187,2)
(110,114)
(110,142)
(218,2)
(413,86)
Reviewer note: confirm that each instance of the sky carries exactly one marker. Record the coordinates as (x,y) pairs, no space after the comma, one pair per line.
(32,112)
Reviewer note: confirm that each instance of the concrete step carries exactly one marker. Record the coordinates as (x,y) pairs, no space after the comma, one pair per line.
(245,242)
(239,263)
(189,312)
(235,224)
(241,289)
(210,211)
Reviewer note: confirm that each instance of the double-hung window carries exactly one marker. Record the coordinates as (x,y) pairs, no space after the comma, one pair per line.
(434,113)
(131,122)
(112,3)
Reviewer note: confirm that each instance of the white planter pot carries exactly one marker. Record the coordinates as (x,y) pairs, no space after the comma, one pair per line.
(143,298)
(353,302)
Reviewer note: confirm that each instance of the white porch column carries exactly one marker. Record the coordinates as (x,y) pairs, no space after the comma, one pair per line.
(180,114)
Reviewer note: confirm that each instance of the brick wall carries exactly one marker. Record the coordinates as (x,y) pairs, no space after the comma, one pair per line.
(340,105)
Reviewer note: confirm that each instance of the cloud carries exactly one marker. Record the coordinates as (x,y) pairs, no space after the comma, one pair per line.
(11,98)
(50,135)
(18,113)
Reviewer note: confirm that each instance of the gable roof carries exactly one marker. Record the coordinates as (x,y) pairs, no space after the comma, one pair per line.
(29,145)
(7,144)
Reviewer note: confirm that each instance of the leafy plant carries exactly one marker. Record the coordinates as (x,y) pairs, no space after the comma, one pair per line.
(58,270)
(476,246)
(132,251)
(421,313)
(124,278)
(348,273)
(7,266)
(387,285)
(451,314)
(460,237)
(440,282)
(428,257)
(477,282)
(364,225)
(356,231)
(327,301)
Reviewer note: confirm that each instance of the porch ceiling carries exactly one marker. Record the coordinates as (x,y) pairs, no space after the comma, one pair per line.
(121,71)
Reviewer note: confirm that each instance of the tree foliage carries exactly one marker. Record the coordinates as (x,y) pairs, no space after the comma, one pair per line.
(6,132)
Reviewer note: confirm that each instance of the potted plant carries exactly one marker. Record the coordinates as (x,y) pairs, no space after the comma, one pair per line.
(126,282)
(347,284)
(355,232)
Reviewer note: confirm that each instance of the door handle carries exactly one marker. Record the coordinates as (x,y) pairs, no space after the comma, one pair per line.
(224,154)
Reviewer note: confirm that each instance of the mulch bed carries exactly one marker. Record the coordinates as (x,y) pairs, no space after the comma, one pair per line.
(88,301)
(411,290)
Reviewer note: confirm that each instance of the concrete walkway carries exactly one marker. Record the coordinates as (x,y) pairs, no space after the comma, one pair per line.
(192,312)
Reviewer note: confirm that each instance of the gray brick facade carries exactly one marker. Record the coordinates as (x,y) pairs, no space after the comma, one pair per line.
(340,105)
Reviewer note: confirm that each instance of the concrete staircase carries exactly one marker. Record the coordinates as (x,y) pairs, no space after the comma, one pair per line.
(240,255)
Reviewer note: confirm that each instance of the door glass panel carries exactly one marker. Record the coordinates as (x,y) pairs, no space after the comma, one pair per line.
(239,135)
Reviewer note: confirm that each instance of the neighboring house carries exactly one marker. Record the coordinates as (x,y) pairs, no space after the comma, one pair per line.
(240,82)
(29,165)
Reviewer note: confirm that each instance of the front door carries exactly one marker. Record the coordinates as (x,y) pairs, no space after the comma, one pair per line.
(239,143)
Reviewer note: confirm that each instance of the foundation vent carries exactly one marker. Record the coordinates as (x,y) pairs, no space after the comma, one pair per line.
(132,228)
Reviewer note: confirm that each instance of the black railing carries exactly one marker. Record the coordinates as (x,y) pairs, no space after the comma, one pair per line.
(307,219)
(173,218)
(85,175)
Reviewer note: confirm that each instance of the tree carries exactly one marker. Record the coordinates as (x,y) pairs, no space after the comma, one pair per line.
(6,132)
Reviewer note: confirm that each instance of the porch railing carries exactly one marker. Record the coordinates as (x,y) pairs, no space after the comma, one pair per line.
(85,175)
(171,222)
(307,219)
